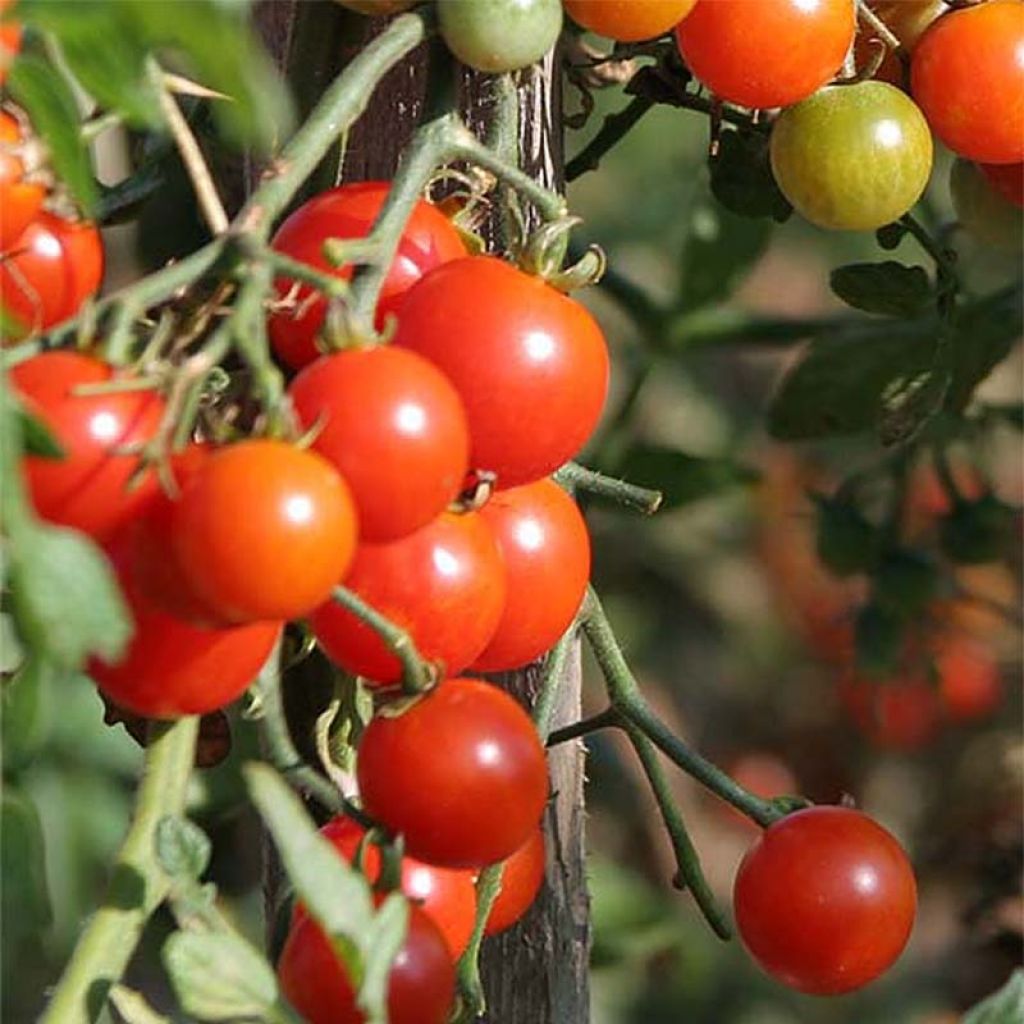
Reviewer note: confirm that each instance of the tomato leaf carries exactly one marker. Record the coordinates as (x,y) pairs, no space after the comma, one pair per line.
(24,722)
(681,477)
(182,848)
(721,248)
(24,898)
(742,179)
(219,976)
(64,597)
(1003,1007)
(383,941)
(47,98)
(888,288)
(37,437)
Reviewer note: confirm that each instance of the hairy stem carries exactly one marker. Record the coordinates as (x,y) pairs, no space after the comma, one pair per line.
(578,478)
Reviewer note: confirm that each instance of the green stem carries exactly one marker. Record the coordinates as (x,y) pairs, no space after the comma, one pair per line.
(947,279)
(138,884)
(416,674)
(614,128)
(690,873)
(329,285)
(578,478)
(607,719)
(551,680)
(471,990)
(625,695)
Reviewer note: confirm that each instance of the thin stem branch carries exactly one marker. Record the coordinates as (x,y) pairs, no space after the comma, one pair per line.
(578,478)
(689,874)
(879,27)
(191,155)
(138,884)
(551,680)
(625,695)
(611,132)
(416,674)
(607,719)
(471,991)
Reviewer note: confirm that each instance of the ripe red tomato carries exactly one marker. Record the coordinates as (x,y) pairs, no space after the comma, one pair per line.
(54,267)
(444,584)
(967,75)
(825,900)
(970,686)
(530,364)
(421,985)
(461,774)
(88,489)
(1007,180)
(394,427)
(172,668)
(446,896)
(769,54)
(546,550)
(894,714)
(264,530)
(520,883)
(348,212)
(20,200)
(628,21)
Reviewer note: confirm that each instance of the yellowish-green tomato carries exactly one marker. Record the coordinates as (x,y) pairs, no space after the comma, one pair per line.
(500,35)
(852,157)
(377,8)
(985,214)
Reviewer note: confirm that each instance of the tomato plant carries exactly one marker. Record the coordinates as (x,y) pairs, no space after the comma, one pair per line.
(546,552)
(479,802)
(444,585)
(628,21)
(770,54)
(348,212)
(896,714)
(849,895)
(530,364)
(852,157)
(500,35)
(264,530)
(91,487)
(395,429)
(20,196)
(907,20)
(968,77)
(421,984)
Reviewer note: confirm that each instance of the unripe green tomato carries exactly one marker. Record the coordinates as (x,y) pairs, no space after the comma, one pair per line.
(852,157)
(377,8)
(500,35)
(985,214)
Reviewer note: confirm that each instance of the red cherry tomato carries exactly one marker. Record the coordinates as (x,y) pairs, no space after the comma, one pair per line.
(10,41)
(1007,180)
(446,896)
(767,54)
(520,883)
(172,668)
(394,427)
(546,550)
(88,489)
(444,584)
(897,714)
(265,530)
(461,774)
(970,686)
(967,75)
(825,900)
(349,212)
(20,200)
(155,563)
(530,364)
(421,985)
(628,21)
(54,266)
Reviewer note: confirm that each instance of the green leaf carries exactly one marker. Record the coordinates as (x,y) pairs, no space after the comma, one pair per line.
(742,180)
(24,900)
(182,848)
(37,437)
(336,894)
(24,724)
(721,248)
(984,335)
(682,478)
(1003,1007)
(11,654)
(888,288)
(219,976)
(848,378)
(133,1008)
(46,96)
(64,597)
(383,941)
